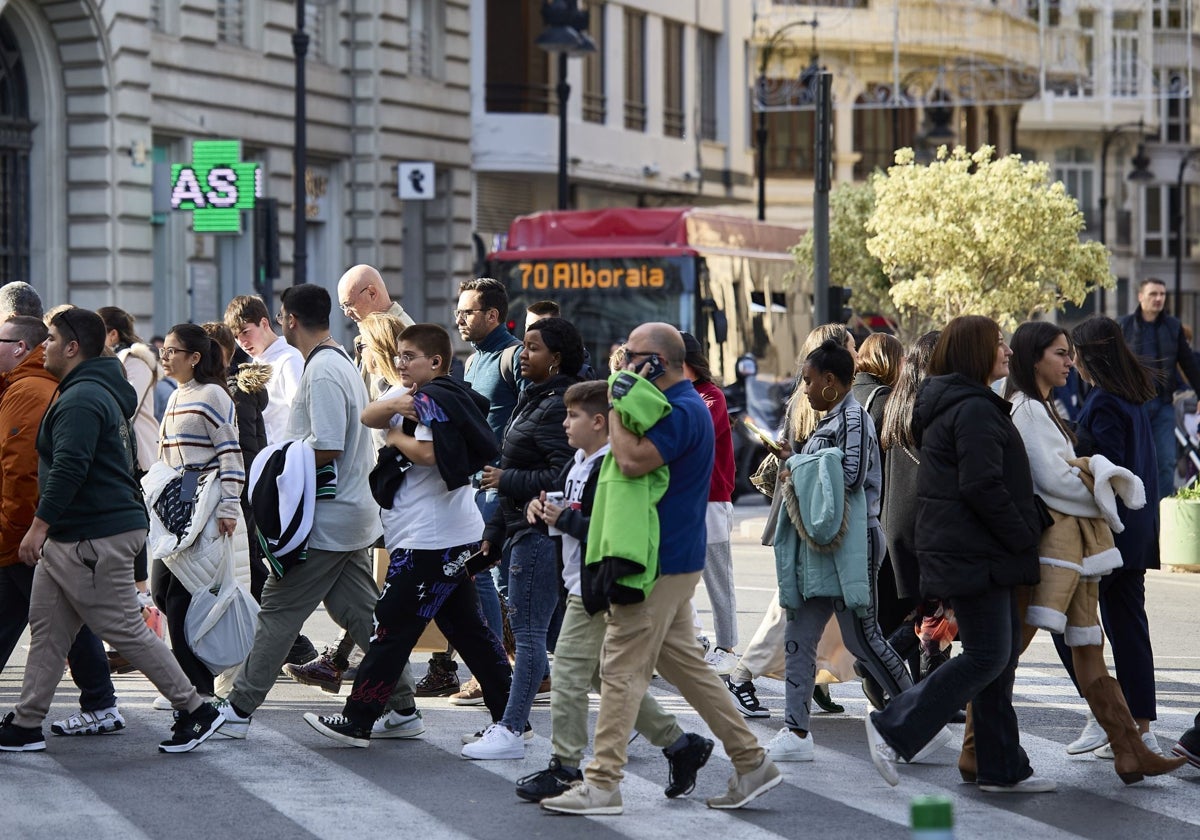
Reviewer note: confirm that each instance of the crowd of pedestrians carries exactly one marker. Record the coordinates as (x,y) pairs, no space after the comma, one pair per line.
(921,496)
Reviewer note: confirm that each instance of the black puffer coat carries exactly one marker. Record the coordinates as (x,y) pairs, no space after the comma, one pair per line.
(977,524)
(532,456)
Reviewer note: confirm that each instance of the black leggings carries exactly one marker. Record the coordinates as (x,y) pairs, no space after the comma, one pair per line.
(173,599)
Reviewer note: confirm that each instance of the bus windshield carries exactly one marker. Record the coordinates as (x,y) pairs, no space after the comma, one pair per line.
(605,298)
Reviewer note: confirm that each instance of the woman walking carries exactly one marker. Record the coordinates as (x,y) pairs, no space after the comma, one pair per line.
(198,435)
(977,532)
(532,456)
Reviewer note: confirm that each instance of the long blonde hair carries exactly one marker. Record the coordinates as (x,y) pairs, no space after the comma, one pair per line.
(381,335)
(803,417)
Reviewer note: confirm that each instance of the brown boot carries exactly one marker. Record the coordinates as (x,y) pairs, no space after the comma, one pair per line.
(966,759)
(1133,760)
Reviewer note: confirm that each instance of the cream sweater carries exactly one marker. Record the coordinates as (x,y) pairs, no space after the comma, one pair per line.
(1050,454)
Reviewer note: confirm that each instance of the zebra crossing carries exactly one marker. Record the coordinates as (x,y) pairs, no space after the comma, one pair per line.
(286,780)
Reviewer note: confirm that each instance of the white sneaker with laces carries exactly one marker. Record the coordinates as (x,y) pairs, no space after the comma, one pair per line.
(472,737)
(395,725)
(498,742)
(1034,784)
(882,756)
(235,726)
(1092,738)
(162,704)
(788,746)
(90,723)
(722,661)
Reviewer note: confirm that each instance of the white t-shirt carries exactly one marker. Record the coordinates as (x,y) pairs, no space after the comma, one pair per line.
(325,412)
(425,514)
(577,479)
(287,365)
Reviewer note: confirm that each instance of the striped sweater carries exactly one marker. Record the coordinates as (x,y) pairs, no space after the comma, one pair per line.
(199,431)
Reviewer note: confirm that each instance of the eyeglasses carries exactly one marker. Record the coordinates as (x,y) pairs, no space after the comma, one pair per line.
(463,314)
(406,359)
(280,316)
(11,340)
(630,355)
(345,307)
(168,352)
(64,319)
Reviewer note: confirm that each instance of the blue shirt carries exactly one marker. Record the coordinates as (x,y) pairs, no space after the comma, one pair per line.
(684,440)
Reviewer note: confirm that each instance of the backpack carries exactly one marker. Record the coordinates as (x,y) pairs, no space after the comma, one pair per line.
(506,364)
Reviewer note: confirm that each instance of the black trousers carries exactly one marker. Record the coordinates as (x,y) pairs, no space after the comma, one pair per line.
(426,585)
(173,600)
(1123,609)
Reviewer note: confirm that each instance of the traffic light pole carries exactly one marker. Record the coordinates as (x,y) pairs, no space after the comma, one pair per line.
(824,161)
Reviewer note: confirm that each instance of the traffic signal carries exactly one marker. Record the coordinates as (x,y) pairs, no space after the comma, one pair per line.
(840,310)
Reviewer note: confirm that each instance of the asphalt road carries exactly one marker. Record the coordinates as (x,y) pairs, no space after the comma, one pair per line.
(287,781)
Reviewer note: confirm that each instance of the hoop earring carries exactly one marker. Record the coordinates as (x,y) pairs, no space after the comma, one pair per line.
(554,368)
(826,397)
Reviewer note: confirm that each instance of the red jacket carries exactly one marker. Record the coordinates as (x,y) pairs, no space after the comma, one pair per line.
(27,392)
(723,474)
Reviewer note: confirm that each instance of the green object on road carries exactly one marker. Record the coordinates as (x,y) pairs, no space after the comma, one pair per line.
(932,818)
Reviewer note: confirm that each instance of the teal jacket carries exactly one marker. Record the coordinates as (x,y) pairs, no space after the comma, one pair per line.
(622,544)
(86,454)
(829,559)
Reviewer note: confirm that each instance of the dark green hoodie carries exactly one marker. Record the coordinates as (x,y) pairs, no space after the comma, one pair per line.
(86,456)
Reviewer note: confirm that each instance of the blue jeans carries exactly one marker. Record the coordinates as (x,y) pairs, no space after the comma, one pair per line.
(485,584)
(1162,422)
(990,631)
(533,596)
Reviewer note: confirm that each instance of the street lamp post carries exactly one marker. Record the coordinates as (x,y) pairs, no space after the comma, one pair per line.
(1139,173)
(300,156)
(760,133)
(565,35)
(1183,165)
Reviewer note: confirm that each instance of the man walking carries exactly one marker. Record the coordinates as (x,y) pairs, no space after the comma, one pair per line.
(1158,339)
(658,631)
(89,525)
(345,523)
(248,320)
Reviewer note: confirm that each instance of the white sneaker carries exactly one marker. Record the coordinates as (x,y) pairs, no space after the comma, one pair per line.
(395,725)
(498,742)
(788,746)
(472,737)
(722,661)
(1034,784)
(162,704)
(938,741)
(1092,738)
(235,726)
(90,723)
(1148,738)
(882,756)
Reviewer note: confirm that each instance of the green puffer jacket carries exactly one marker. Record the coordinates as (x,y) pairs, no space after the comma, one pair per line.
(827,557)
(622,545)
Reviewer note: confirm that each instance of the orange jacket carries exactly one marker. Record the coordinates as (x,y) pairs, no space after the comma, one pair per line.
(28,391)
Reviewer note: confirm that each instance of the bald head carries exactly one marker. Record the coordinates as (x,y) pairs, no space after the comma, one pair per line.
(361,291)
(662,340)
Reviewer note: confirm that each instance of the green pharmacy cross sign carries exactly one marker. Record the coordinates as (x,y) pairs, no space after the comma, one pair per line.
(216,186)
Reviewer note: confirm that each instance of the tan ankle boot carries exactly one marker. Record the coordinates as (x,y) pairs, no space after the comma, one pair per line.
(1133,760)
(966,759)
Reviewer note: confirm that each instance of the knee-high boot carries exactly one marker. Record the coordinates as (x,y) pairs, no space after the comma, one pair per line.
(1133,760)
(966,759)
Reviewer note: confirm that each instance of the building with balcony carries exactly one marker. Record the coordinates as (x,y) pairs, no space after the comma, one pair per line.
(98,100)
(656,116)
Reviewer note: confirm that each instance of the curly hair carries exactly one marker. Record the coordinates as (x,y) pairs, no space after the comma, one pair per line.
(560,336)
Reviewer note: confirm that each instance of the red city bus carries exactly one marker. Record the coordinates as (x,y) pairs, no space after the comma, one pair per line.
(727,280)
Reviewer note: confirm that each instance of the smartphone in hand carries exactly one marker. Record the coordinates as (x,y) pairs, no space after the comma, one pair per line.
(765,438)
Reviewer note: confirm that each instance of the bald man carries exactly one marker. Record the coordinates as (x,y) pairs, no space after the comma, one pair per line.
(361,291)
(658,631)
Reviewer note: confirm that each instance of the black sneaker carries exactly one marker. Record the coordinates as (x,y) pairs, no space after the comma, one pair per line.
(685,762)
(15,738)
(340,728)
(1188,745)
(552,781)
(824,700)
(871,688)
(746,700)
(302,651)
(441,680)
(192,729)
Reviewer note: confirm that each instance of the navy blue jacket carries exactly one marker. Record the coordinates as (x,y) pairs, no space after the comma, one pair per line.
(1172,350)
(1120,431)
